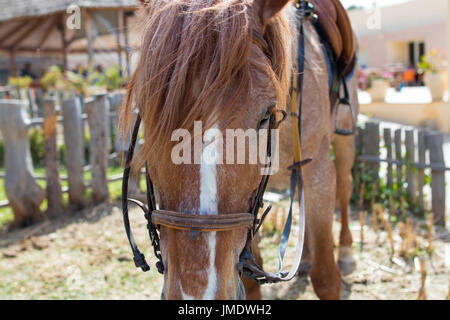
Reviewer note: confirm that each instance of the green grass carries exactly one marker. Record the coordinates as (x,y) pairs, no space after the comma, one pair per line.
(115,190)
(6,214)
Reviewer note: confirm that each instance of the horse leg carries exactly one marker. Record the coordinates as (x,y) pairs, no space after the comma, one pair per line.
(320,188)
(305,266)
(252,288)
(344,150)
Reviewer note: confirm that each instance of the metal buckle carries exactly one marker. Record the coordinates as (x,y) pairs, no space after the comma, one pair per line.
(305,8)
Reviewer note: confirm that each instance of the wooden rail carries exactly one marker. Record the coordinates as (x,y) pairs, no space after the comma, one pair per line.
(408,154)
(28,195)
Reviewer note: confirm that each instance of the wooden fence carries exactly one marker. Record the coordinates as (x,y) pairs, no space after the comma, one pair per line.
(410,155)
(69,116)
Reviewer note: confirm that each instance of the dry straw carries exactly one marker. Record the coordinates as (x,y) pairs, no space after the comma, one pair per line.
(430,234)
(423,277)
(375,222)
(362,222)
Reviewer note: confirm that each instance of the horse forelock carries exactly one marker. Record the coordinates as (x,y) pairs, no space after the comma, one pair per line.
(196,63)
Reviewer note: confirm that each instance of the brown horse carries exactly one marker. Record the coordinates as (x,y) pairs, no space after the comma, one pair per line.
(198,63)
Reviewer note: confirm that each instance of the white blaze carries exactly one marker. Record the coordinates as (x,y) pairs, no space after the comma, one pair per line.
(208,205)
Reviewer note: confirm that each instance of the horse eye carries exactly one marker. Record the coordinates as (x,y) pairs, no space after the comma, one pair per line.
(264,123)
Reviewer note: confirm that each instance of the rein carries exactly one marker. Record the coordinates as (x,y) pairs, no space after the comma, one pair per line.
(196,223)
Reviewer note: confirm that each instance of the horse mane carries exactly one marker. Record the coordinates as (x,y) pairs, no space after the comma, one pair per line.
(195,63)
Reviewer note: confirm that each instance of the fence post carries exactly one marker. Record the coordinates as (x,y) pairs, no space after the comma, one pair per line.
(24,194)
(122,142)
(74,141)
(40,102)
(410,158)
(30,103)
(388,142)
(115,102)
(421,172)
(98,115)
(399,157)
(435,142)
(54,192)
(372,148)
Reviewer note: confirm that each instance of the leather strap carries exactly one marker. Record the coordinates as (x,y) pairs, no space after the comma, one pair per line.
(305,12)
(138,257)
(247,264)
(197,223)
(202,223)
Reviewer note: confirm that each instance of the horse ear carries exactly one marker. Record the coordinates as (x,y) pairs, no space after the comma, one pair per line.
(269,8)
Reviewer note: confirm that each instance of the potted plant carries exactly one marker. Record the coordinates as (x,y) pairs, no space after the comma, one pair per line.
(20,84)
(435,78)
(112,78)
(378,85)
(52,79)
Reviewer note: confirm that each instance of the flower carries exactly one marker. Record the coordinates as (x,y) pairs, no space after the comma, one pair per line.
(365,80)
(432,62)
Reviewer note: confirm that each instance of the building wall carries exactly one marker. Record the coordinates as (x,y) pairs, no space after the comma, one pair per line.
(384,33)
(379,48)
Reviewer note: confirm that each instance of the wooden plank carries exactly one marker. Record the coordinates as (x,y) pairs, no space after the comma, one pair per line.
(47,33)
(388,142)
(421,172)
(399,157)
(74,141)
(62,32)
(89,37)
(51,156)
(22,190)
(435,143)
(127,54)
(30,102)
(372,148)
(120,28)
(434,166)
(358,169)
(40,102)
(12,63)
(100,145)
(16,30)
(358,140)
(30,29)
(410,157)
(115,101)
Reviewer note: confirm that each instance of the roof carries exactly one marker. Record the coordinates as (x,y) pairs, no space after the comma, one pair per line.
(399,17)
(35,26)
(12,9)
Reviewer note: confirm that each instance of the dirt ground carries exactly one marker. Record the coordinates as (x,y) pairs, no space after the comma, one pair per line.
(86,256)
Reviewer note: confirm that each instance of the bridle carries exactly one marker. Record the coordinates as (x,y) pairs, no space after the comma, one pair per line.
(196,223)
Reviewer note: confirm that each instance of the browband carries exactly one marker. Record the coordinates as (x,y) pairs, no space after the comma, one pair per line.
(202,223)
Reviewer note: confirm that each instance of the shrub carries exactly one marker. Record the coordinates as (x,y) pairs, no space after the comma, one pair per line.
(37,148)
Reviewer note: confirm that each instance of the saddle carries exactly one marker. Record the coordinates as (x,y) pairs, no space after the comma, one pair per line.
(336,26)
